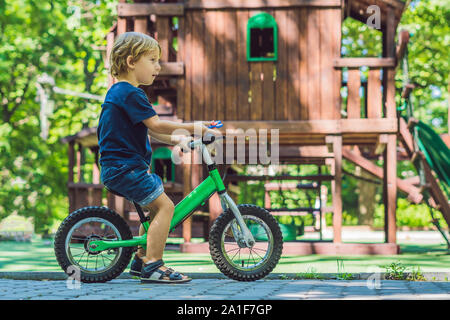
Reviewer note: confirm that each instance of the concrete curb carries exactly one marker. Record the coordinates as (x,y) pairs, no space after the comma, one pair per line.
(428,276)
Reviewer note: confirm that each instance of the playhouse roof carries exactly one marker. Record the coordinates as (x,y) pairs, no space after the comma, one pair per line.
(357,9)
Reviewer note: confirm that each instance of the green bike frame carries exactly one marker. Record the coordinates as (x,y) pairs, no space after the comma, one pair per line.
(184,209)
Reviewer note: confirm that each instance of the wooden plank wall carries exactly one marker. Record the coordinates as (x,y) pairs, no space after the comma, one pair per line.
(219,83)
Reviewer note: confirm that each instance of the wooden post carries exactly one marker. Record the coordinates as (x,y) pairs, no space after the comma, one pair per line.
(353,98)
(389,46)
(180,57)
(79,151)
(215,208)
(187,187)
(374,97)
(110,199)
(71,155)
(140,24)
(267,202)
(390,188)
(121,23)
(336,186)
(95,167)
(97,193)
(109,46)
(390,153)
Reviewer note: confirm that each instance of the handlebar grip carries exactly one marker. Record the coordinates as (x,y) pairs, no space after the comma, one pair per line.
(207,139)
(216,124)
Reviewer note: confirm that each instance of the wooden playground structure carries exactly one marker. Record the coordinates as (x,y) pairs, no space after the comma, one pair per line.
(220,68)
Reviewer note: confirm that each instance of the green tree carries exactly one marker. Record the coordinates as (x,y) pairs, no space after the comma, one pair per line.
(428,56)
(429,59)
(61,39)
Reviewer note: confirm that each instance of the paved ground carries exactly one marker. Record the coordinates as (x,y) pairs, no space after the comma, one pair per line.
(219,289)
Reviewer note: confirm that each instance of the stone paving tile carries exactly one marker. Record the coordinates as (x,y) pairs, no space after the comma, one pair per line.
(218,289)
(361,297)
(433,296)
(92,297)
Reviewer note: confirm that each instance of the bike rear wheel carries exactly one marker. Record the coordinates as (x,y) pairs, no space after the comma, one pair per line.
(234,259)
(72,244)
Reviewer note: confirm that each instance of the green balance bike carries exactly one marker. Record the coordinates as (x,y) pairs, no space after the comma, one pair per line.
(245,241)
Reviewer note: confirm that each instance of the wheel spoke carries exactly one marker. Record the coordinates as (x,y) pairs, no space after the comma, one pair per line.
(251,250)
(78,248)
(87,229)
(109,259)
(81,257)
(236,254)
(238,248)
(79,254)
(259,249)
(103,260)
(257,254)
(79,238)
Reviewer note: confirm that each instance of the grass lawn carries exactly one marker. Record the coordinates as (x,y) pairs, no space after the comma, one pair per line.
(39,256)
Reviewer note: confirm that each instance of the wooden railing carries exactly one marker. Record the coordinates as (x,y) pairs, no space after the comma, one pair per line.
(371,107)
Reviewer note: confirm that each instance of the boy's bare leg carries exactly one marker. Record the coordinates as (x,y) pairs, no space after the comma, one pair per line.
(141,251)
(161,213)
(158,229)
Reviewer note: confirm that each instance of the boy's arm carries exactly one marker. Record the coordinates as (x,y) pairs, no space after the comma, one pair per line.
(166,127)
(166,138)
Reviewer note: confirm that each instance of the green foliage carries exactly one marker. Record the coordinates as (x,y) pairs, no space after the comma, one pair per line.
(40,37)
(429,57)
(409,215)
(416,275)
(395,271)
(342,275)
(310,274)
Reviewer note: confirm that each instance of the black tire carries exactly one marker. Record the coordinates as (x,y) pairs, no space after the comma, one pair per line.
(217,250)
(123,256)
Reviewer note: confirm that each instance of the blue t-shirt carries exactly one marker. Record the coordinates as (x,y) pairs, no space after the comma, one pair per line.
(122,136)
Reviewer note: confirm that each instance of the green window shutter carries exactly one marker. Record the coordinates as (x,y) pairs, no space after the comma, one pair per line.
(262,38)
(164,154)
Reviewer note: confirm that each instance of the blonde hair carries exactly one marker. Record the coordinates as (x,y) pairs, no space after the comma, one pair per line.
(133,44)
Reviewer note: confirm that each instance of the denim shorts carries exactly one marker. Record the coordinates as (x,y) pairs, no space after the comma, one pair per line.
(135,183)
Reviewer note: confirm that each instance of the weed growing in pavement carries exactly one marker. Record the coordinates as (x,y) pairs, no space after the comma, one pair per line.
(342,275)
(311,273)
(395,271)
(416,275)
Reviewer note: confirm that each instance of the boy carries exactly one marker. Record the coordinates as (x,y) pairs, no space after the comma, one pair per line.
(125,121)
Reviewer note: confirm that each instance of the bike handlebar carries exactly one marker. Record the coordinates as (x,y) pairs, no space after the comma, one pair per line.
(207,139)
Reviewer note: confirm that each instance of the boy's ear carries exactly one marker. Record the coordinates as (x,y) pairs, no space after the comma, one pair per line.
(130,62)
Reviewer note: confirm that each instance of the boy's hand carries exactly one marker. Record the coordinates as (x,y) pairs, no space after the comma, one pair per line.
(213,131)
(207,123)
(184,143)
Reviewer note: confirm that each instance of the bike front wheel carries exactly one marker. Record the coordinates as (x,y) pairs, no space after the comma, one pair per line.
(238,261)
